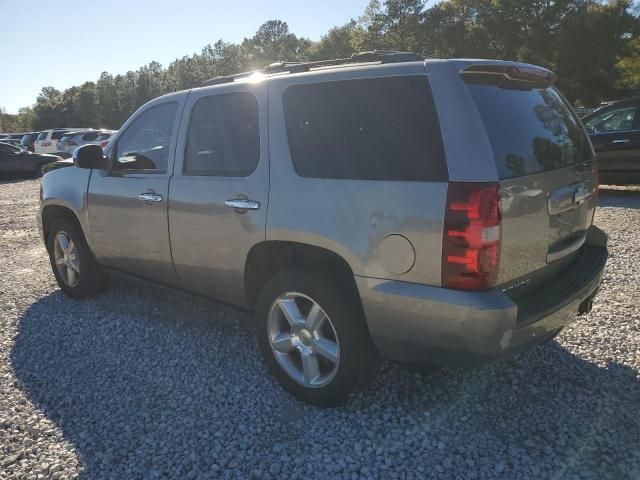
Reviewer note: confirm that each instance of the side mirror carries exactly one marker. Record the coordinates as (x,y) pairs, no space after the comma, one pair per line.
(90,156)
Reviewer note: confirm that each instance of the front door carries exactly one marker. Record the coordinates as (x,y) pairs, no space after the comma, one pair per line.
(128,204)
(218,194)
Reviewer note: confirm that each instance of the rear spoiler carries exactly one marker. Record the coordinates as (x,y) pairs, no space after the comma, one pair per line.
(521,77)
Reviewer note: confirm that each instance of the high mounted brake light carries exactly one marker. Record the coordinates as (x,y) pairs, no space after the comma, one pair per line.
(471,237)
(509,76)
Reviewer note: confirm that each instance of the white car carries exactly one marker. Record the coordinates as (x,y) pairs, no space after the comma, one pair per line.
(72,140)
(48,139)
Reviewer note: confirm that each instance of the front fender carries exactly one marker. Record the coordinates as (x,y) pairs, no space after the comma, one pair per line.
(66,188)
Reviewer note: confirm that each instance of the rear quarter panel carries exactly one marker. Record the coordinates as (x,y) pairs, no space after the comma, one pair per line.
(352,217)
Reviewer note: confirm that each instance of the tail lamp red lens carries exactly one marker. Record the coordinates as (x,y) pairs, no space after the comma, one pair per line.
(104,144)
(471,240)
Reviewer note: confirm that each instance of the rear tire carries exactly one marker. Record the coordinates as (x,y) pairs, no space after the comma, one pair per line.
(40,170)
(330,326)
(74,266)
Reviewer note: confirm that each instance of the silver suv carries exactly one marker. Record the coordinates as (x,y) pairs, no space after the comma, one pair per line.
(436,212)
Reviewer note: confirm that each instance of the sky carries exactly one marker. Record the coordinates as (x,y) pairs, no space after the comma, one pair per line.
(61,44)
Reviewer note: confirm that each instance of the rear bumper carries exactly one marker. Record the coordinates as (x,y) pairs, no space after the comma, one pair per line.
(436,326)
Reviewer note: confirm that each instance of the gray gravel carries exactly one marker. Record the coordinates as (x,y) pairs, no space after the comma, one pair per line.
(138,383)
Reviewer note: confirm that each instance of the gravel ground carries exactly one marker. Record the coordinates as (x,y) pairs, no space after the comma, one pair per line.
(138,383)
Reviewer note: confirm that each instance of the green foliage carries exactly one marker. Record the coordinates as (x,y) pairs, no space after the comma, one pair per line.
(592,45)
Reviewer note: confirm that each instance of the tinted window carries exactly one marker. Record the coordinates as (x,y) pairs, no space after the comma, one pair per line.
(90,137)
(27,138)
(145,143)
(104,136)
(613,120)
(58,135)
(223,136)
(42,136)
(530,131)
(5,147)
(370,129)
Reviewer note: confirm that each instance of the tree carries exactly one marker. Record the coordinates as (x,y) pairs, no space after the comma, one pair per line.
(592,45)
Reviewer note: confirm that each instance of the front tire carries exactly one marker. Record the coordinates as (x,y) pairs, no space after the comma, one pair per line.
(314,338)
(74,266)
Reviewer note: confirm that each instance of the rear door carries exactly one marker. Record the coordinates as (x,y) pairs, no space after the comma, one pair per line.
(615,133)
(546,169)
(219,193)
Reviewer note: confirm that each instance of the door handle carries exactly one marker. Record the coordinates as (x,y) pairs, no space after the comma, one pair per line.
(241,205)
(150,197)
(621,142)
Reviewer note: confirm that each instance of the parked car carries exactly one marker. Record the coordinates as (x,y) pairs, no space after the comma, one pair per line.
(365,221)
(72,140)
(48,139)
(13,138)
(615,133)
(27,141)
(15,161)
(61,163)
(12,141)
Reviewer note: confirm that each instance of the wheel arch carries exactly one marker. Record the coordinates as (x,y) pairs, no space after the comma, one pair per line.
(266,258)
(53,212)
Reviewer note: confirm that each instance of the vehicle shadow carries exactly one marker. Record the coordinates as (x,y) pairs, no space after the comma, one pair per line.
(610,196)
(144,385)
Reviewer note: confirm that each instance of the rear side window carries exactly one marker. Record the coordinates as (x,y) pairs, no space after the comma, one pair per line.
(531,131)
(368,129)
(42,136)
(90,137)
(58,135)
(617,119)
(223,137)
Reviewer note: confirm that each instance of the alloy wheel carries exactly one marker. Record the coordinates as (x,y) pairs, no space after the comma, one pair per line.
(303,339)
(66,259)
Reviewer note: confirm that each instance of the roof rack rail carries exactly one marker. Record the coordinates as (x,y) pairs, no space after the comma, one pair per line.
(382,56)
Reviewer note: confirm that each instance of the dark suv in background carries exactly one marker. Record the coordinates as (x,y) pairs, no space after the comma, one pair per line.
(615,133)
(28,140)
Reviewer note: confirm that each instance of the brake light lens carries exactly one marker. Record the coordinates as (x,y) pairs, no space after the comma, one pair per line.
(471,240)
(104,144)
(71,143)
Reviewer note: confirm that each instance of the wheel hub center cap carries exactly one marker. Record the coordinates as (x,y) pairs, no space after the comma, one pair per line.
(305,336)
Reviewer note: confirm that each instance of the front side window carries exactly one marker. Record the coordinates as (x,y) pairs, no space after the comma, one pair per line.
(365,129)
(613,120)
(223,137)
(145,143)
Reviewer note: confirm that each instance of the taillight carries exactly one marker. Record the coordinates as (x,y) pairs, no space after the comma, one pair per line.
(71,143)
(471,240)
(104,144)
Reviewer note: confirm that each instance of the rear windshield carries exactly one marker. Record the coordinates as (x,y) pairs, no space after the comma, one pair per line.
(58,135)
(42,135)
(365,129)
(28,137)
(531,131)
